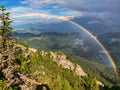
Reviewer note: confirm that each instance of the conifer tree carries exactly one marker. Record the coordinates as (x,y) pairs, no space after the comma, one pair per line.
(7,47)
(6,28)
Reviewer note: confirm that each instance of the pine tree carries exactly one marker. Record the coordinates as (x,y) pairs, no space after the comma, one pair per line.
(6,28)
(7,50)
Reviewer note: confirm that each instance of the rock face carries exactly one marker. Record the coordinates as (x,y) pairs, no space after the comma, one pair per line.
(62,60)
(80,71)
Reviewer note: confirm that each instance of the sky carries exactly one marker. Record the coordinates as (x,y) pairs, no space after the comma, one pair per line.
(50,11)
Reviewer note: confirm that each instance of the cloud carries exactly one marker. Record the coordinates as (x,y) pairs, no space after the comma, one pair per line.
(28,15)
(17,11)
(22,14)
(65,4)
(68,4)
(46,11)
(41,3)
(92,22)
(71,7)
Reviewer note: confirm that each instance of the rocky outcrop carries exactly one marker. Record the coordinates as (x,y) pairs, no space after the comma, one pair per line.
(62,60)
(100,83)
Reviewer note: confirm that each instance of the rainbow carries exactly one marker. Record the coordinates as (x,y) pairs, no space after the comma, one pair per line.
(94,38)
(68,19)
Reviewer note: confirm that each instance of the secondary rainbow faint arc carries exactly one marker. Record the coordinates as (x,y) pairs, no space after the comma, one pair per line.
(68,19)
(93,37)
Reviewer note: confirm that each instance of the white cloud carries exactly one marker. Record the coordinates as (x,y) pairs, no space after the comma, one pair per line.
(92,22)
(34,11)
(64,4)
(22,15)
(18,11)
(29,15)
(74,13)
(74,7)
(69,4)
(40,3)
